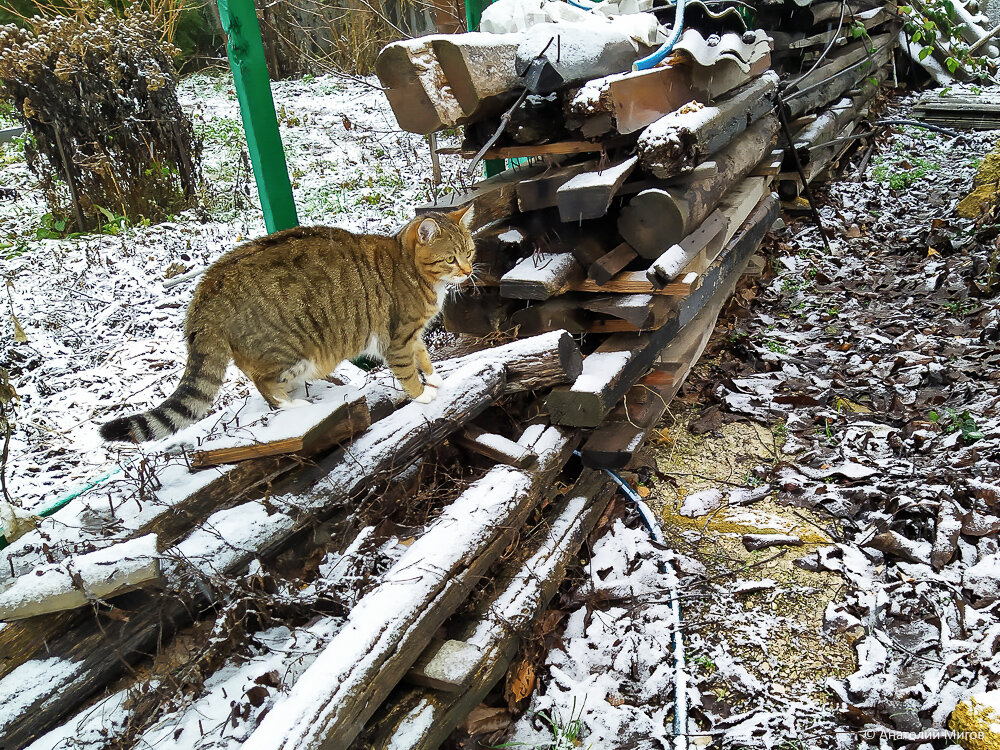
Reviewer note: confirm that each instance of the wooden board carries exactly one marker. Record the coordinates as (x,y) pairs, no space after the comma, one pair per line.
(346,420)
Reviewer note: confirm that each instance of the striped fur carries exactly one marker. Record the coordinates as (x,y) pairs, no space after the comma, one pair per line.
(295,304)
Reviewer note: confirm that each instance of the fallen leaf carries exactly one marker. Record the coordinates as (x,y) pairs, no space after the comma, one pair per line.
(19,334)
(520,682)
(643,491)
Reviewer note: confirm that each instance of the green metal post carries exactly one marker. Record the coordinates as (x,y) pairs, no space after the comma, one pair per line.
(253,89)
(473,14)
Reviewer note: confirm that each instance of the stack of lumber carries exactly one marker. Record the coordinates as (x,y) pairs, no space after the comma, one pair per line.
(963,107)
(644,198)
(825,98)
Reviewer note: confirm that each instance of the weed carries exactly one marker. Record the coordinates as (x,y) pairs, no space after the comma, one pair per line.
(964,423)
(705,663)
(565,736)
(776,346)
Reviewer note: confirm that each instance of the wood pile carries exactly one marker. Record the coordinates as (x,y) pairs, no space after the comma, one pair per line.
(645,192)
(603,263)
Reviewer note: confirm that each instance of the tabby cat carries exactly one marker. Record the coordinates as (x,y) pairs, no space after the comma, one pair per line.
(293,305)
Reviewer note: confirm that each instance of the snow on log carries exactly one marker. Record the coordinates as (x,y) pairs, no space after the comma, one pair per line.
(421,719)
(540,276)
(656,218)
(415,86)
(82,579)
(86,658)
(676,142)
(622,359)
(495,447)
(388,629)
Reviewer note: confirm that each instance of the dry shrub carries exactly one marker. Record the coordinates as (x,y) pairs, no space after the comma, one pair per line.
(98,95)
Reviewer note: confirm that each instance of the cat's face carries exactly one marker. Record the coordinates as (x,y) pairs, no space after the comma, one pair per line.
(443,246)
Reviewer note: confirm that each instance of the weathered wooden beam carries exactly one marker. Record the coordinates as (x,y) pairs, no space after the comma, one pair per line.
(551,315)
(82,579)
(422,719)
(540,276)
(416,88)
(676,142)
(495,447)
(622,359)
(643,311)
(492,199)
(696,251)
(341,423)
(385,634)
(588,195)
(539,191)
(479,312)
(609,265)
(657,218)
(845,69)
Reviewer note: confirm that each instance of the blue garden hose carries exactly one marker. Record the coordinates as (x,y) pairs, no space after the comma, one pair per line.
(657,57)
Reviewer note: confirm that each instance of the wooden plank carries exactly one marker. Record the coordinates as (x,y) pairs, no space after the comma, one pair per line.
(643,311)
(445,665)
(588,195)
(671,264)
(346,420)
(539,191)
(514,599)
(479,312)
(540,276)
(384,633)
(611,370)
(492,199)
(608,266)
(495,447)
(555,314)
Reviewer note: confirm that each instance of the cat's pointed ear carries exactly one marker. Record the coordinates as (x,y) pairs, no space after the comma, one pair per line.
(427,230)
(464,216)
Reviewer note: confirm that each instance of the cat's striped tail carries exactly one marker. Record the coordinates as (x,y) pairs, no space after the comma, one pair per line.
(203,376)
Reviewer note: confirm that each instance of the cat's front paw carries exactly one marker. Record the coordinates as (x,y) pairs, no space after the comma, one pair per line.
(428,395)
(434,380)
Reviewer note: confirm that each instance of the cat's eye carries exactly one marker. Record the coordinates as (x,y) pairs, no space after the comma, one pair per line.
(451,259)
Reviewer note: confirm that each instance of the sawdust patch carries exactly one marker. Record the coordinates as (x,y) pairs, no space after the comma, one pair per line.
(795,658)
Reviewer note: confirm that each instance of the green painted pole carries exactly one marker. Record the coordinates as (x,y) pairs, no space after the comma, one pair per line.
(253,89)
(473,15)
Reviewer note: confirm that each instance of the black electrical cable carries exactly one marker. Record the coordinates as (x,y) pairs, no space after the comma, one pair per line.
(826,51)
(862,61)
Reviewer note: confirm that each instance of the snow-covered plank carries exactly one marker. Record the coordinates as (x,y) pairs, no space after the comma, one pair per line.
(304,430)
(421,719)
(588,195)
(388,629)
(540,276)
(495,447)
(77,581)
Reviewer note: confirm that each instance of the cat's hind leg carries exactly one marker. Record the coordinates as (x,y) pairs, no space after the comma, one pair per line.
(275,393)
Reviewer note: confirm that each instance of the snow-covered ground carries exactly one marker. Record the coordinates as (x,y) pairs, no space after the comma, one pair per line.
(104,332)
